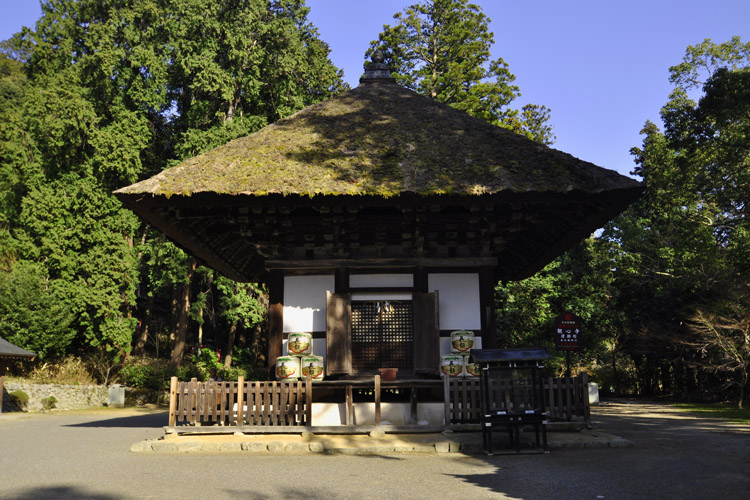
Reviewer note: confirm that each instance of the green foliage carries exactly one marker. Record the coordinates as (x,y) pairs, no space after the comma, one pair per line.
(102,94)
(32,314)
(202,365)
(145,373)
(19,398)
(441,49)
(49,403)
(578,282)
(254,61)
(77,229)
(680,254)
(722,410)
(240,302)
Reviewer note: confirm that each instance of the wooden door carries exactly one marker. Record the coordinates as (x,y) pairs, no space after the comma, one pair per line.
(382,336)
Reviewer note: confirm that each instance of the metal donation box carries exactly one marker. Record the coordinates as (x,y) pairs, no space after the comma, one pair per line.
(512,393)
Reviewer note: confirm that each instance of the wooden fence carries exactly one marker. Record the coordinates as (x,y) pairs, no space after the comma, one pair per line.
(564,398)
(246,403)
(568,397)
(240,403)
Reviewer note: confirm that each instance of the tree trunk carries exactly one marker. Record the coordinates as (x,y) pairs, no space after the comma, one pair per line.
(615,374)
(434,54)
(178,351)
(200,327)
(743,386)
(230,345)
(142,338)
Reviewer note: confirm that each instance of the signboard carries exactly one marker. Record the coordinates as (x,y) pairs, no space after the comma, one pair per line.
(568,332)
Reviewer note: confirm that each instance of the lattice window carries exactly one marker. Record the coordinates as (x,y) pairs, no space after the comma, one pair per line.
(382,336)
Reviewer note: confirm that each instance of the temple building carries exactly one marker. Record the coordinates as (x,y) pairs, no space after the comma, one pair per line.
(381,221)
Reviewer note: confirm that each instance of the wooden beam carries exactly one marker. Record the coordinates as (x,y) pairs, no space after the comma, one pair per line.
(472,262)
(487,282)
(275,319)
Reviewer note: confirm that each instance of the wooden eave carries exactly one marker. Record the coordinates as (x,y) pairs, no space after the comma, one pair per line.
(240,235)
(380,176)
(11,351)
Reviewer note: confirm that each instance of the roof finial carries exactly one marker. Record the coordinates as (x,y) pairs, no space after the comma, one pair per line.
(377,70)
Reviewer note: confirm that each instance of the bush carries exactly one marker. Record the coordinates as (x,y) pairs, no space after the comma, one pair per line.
(145,373)
(20,399)
(206,365)
(49,403)
(68,371)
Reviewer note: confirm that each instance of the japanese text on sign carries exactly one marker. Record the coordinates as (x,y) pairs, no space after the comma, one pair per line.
(568,332)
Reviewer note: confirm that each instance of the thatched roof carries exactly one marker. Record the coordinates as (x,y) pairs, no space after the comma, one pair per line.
(12,351)
(381,173)
(381,139)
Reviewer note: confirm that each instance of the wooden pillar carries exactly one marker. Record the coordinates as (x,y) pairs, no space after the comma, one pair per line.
(378,415)
(487,284)
(173,383)
(420,280)
(341,283)
(275,319)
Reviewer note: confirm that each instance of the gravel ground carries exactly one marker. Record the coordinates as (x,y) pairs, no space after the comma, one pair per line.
(85,455)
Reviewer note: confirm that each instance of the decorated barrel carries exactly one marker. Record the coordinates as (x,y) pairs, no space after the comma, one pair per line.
(314,366)
(471,369)
(462,341)
(299,344)
(287,368)
(452,365)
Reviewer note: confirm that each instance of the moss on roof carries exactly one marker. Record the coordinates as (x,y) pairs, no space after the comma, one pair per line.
(381,139)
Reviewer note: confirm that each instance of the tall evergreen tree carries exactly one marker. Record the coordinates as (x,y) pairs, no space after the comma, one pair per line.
(441,49)
(687,238)
(104,93)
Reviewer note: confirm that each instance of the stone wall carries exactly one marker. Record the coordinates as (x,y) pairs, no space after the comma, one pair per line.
(69,397)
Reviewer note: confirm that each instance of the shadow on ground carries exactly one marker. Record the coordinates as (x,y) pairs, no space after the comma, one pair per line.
(151,419)
(57,492)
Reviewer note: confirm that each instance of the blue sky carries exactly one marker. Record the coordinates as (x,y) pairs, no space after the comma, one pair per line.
(601,66)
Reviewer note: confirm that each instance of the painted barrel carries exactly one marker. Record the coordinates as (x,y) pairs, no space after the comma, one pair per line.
(452,365)
(299,344)
(313,365)
(471,369)
(287,368)
(462,341)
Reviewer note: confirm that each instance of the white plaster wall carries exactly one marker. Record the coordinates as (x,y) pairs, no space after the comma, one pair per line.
(364,413)
(459,300)
(305,302)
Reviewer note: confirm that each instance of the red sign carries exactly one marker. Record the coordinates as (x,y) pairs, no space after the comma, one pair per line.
(568,332)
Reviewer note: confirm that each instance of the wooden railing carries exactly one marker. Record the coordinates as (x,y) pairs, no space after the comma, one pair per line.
(462,401)
(568,397)
(564,398)
(240,403)
(246,403)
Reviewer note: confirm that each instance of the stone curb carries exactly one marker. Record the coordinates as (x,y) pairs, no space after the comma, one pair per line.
(445,447)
